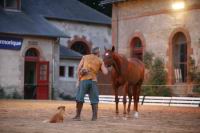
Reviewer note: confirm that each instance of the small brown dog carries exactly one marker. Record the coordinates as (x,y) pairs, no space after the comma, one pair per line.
(58,117)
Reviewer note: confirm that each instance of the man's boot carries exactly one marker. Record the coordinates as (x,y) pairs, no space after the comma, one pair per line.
(94,112)
(79,106)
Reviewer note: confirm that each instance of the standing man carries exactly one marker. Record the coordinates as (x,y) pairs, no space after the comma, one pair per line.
(88,69)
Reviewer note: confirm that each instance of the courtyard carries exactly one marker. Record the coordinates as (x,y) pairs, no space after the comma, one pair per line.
(27,116)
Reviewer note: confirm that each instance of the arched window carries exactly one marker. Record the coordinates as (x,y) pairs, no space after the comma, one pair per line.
(137,48)
(80,47)
(180,57)
(32,54)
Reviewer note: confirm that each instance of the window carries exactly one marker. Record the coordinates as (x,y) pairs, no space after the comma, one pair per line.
(12,4)
(71,71)
(81,47)
(32,52)
(68,72)
(62,71)
(137,48)
(180,57)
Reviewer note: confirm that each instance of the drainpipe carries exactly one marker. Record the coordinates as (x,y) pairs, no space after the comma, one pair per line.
(53,66)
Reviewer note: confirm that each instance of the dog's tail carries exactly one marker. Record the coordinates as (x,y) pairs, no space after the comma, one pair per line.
(45,121)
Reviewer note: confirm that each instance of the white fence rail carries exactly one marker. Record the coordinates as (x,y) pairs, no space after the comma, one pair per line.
(154,100)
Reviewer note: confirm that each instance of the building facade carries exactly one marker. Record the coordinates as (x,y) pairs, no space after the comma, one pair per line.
(29,52)
(167,28)
(52,38)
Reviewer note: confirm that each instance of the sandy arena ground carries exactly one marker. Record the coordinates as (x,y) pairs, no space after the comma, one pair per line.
(26,116)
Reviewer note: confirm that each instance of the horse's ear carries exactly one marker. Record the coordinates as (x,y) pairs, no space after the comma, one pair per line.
(113,48)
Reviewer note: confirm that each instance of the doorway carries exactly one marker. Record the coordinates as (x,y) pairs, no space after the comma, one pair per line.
(180,58)
(30,80)
(36,76)
(137,48)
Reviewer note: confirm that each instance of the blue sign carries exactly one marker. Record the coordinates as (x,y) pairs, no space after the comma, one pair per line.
(10,43)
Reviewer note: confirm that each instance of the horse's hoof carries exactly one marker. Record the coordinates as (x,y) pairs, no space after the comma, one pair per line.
(136,115)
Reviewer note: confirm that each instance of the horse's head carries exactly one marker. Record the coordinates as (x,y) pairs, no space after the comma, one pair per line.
(108,56)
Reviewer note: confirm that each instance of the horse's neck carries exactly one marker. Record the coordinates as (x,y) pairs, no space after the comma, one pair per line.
(118,60)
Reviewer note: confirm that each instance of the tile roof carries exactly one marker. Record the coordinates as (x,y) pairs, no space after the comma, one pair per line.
(67,53)
(72,10)
(24,24)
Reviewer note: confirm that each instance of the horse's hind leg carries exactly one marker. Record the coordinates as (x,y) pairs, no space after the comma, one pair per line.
(125,91)
(130,99)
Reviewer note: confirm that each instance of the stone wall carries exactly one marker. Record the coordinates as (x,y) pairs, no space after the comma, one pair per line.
(66,86)
(12,63)
(156,22)
(91,34)
(94,34)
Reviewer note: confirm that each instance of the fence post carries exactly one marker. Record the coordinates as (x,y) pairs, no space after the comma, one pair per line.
(170,101)
(143,99)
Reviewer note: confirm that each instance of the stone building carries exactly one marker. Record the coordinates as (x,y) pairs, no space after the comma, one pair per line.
(86,27)
(29,48)
(58,31)
(168,28)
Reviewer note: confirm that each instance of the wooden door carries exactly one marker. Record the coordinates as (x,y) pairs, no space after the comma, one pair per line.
(43,80)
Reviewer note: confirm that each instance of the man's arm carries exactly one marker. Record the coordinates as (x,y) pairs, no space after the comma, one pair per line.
(80,66)
(104,68)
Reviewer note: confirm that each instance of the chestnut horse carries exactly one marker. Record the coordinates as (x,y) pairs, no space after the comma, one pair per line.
(126,73)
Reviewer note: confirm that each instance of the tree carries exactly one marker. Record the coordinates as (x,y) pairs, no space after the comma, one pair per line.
(105,9)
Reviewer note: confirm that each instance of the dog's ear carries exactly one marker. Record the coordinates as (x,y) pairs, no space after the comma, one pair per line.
(61,107)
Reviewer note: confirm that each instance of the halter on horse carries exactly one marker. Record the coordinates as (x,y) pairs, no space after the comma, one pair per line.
(129,74)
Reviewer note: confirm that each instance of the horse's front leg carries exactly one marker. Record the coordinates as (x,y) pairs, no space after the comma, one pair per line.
(116,100)
(136,100)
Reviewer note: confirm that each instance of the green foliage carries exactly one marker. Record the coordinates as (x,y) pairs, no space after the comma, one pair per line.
(194,74)
(155,91)
(148,59)
(157,72)
(95,4)
(196,89)
(157,76)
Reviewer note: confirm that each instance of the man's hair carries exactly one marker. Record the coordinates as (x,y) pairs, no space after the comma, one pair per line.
(95,50)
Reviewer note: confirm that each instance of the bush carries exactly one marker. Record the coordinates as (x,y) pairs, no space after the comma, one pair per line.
(194,74)
(148,59)
(157,76)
